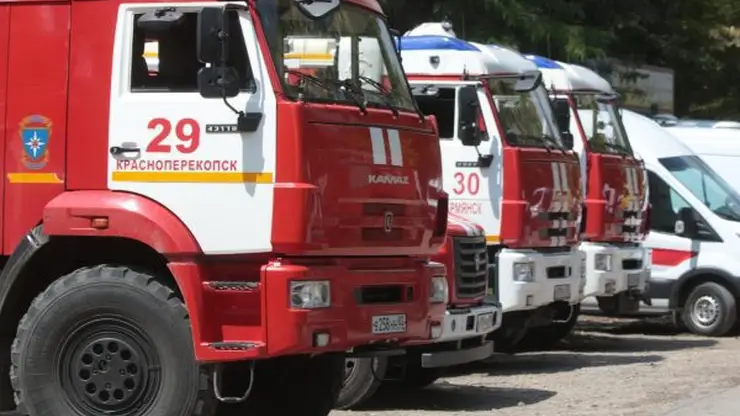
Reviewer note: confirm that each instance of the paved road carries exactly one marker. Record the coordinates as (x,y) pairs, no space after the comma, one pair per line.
(723,403)
(607,368)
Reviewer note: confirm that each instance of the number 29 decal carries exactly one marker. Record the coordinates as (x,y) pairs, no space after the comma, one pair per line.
(186,131)
(469,183)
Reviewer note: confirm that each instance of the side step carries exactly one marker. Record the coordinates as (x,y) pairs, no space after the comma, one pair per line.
(235,345)
(227,286)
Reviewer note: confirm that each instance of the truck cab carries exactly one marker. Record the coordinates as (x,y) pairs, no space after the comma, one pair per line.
(506,168)
(615,186)
(208,225)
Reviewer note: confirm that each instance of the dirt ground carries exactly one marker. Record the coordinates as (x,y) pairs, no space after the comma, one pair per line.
(607,367)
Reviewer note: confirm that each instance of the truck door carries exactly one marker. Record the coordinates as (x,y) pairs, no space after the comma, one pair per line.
(474,186)
(182,150)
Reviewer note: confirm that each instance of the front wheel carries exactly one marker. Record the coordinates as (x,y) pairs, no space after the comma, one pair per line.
(362,378)
(108,341)
(546,337)
(710,310)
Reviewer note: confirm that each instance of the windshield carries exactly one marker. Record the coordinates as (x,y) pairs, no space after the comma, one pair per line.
(602,126)
(345,56)
(526,117)
(705,184)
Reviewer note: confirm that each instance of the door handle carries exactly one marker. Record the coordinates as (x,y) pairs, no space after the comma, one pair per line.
(126,151)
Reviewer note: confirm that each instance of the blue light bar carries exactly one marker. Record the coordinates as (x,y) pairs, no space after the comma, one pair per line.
(430,42)
(542,62)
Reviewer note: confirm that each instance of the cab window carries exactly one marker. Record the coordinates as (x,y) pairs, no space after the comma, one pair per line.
(168,61)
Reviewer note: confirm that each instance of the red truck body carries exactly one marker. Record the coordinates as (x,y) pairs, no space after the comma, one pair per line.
(330,220)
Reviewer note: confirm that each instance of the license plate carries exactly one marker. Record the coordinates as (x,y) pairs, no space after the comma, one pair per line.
(562,292)
(485,322)
(633,280)
(389,324)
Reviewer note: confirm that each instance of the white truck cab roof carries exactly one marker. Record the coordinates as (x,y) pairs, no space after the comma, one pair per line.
(433,49)
(561,76)
(650,140)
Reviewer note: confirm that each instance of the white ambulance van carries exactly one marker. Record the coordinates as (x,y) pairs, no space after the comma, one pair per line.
(694,232)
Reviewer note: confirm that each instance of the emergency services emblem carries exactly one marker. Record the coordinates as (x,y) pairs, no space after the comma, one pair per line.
(35,132)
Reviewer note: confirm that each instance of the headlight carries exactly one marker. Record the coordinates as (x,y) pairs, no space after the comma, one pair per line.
(310,294)
(440,291)
(523,272)
(603,262)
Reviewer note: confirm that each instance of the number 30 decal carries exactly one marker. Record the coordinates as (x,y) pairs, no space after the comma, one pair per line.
(469,183)
(187,131)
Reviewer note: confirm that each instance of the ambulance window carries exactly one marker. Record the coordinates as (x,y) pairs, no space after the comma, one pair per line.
(666,203)
(168,62)
(441,106)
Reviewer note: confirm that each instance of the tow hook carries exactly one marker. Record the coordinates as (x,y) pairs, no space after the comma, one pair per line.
(217,385)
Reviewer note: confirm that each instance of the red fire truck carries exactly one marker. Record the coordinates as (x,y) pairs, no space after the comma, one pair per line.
(209,232)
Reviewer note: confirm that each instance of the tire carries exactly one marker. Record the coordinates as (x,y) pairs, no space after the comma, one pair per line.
(93,341)
(362,378)
(293,385)
(710,310)
(546,337)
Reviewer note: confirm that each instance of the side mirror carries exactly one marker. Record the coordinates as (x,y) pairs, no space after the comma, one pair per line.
(218,82)
(686,225)
(528,81)
(467,110)
(567,138)
(212,35)
(561,110)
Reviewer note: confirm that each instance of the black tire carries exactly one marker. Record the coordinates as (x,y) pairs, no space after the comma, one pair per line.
(362,378)
(547,337)
(710,310)
(293,385)
(93,341)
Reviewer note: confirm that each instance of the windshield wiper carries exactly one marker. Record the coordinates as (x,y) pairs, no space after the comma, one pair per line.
(550,142)
(344,87)
(382,93)
(554,143)
(618,147)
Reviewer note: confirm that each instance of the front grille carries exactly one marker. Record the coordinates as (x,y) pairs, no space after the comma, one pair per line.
(559,272)
(471,266)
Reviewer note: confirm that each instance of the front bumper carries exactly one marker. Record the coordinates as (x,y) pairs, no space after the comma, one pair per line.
(618,279)
(233,322)
(541,290)
(470,322)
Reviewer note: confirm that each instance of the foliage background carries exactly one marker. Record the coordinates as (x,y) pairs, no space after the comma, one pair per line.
(696,38)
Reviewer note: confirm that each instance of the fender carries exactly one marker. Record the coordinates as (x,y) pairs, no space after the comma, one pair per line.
(129,216)
(733,282)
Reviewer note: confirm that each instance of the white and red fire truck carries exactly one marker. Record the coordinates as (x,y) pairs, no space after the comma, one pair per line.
(506,168)
(221,229)
(615,186)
